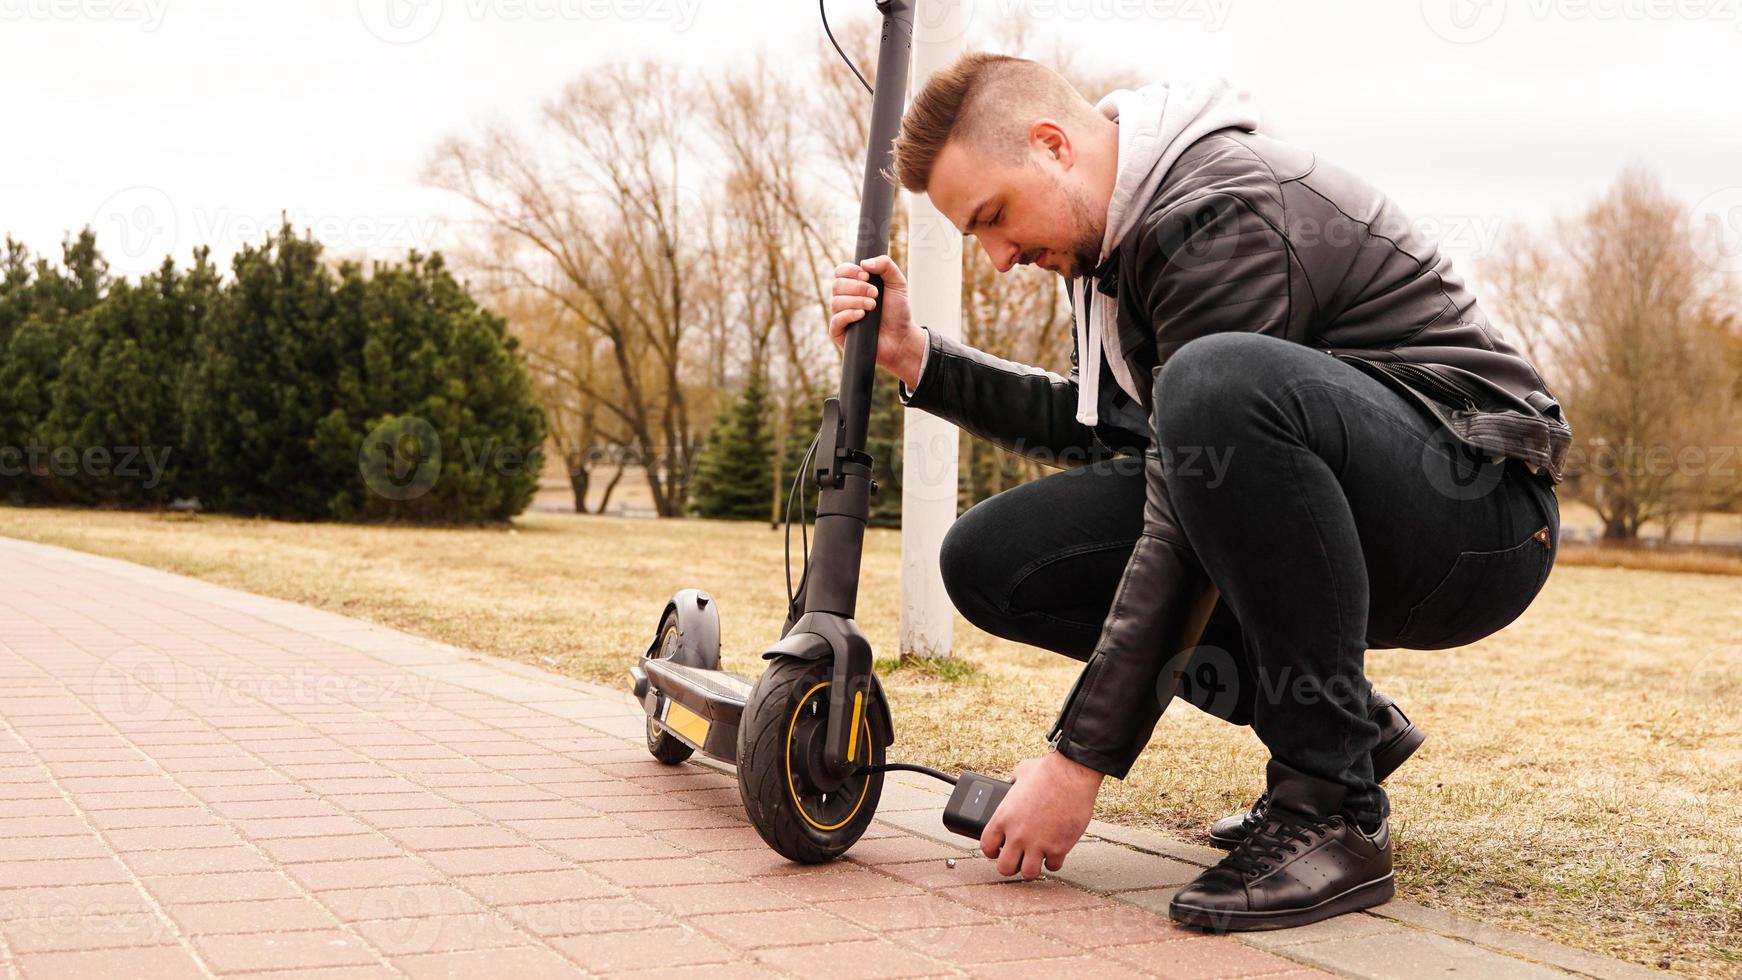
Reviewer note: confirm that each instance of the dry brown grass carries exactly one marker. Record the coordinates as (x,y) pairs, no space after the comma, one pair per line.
(1579,782)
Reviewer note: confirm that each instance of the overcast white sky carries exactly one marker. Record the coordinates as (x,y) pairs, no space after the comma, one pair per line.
(168,123)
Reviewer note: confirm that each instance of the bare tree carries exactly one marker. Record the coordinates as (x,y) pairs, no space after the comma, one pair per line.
(1631,322)
(599,212)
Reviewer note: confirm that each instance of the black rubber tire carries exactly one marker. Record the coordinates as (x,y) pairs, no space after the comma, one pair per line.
(774,798)
(663,745)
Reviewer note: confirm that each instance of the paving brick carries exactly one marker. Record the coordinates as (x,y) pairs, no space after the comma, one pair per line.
(755,930)
(409,899)
(937,873)
(851,961)
(294,850)
(282,950)
(1017,897)
(1413,954)
(1203,958)
(645,948)
(495,860)
(63,929)
(53,848)
(536,886)
(664,871)
(71,871)
(567,829)
(266,915)
(595,915)
(140,963)
(905,912)
(1087,966)
(426,839)
(689,900)
(442,816)
(521,963)
(980,943)
(904,847)
(441,933)
(196,860)
(1117,925)
(325,875)
(227,887)
(272,828)
(172,838)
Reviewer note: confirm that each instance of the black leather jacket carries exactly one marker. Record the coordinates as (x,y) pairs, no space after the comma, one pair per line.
(1250,233)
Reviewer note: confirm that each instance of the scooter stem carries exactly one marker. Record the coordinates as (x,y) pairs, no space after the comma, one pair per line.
(844,501)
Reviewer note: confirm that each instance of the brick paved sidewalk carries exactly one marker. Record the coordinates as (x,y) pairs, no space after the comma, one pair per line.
(198,781)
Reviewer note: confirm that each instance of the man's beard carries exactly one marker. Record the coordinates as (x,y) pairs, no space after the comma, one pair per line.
(1089,230)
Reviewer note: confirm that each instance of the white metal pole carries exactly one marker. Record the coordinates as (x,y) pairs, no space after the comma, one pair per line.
(934,275)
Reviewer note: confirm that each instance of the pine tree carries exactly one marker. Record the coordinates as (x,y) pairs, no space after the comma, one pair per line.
(736,467)
(883,442)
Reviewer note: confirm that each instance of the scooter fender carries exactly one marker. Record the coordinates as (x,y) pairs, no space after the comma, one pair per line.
(816,636)
(698,629)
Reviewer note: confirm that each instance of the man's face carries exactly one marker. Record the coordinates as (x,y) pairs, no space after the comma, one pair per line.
(1035,212)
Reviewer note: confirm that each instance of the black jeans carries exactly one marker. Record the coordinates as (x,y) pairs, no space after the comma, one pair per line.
(1333,513)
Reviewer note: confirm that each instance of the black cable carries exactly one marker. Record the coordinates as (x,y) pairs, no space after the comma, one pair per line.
(804,535)
(905,767)
(824,11)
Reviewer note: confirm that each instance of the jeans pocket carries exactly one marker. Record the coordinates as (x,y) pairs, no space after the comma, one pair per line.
(1484,591)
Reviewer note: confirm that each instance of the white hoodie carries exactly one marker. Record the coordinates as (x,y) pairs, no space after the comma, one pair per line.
(1156,124)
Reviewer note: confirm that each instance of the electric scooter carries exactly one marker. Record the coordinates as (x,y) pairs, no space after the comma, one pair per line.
(808,737)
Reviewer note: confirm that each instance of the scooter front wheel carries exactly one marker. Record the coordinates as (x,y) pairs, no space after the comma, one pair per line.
(780,739)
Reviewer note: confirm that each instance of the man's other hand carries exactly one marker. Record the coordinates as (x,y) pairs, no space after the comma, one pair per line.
(1042,816)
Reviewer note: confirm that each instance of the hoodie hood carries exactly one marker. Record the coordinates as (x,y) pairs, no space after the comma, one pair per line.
(1156,124)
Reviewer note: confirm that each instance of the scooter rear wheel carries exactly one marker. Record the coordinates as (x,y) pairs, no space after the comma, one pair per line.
(665,746)
(783,725)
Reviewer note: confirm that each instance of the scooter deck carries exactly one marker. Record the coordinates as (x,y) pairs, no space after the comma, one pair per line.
(700,706)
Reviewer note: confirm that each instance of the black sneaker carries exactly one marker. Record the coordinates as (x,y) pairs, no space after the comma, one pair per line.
(1398,740)
(1305,861)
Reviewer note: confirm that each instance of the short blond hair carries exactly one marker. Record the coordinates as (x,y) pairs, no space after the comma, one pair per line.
(987,100)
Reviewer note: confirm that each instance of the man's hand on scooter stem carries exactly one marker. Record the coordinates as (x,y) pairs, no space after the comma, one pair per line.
(1042,816)
(900,343)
